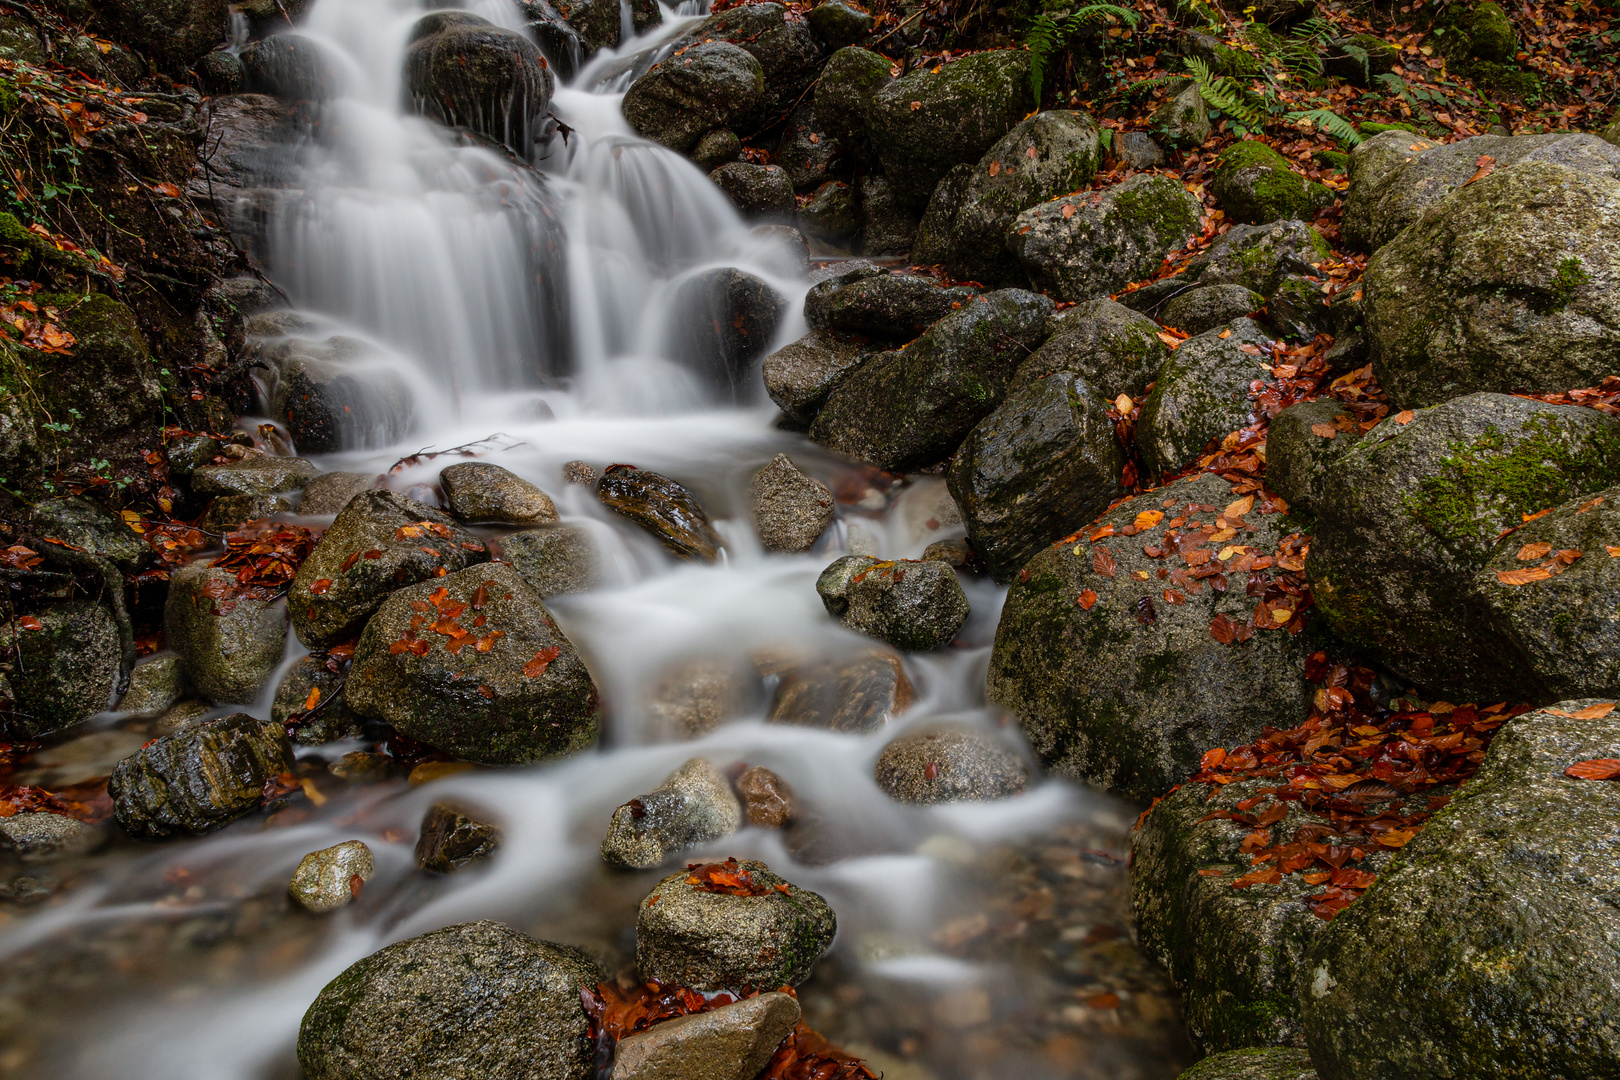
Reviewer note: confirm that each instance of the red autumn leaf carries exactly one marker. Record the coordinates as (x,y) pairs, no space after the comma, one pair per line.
(728,877)
(1087,600)
(1595,769)
(319,586)
(28,622)
(1102,561)
(1223,629)
(1212,758)
(542,660)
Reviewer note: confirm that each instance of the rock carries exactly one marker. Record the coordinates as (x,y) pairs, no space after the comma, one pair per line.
(857,694)
(86,525)
(230,643)
(1039,467)
(787,51)
(464,71)
(1611,134)
(1360,58)
(1395,177)
(227,513)
(200,777)
(597,22)
(556,561)
(1272,1063)
(329,493)
(1409,515)
(478,999)
(1500,899)
(716,149)
(1182,122)
(791,510)
(61,674)
(662,507)
(905,410)
(337,394)
(173,34)
(1258,256)
(833,214)
(41,836)
(398,529)
(329,878)
(185,455)
(291,67)
(710,940)
(1210,307)
(1475,297)
(563,46)
(910,604)
(1297,310)
(949,766)
(810,155)
(801,376)
(767,799)
(253,475)
(109,381)
(787,252)
(1256,185)
(480,491)
(955,553)
(887,225)
(154,686)
(1083,246)
(1137,150)
(579,472)
(1477,31)
(843,97)
(335,720)
(693,697)
(693,806)
(874,303)
(520,694)
(962,109)
(1202,393)
(840,23)
(1299,453)
(733,1042)
(454,836)
(756,189)
(1129,695)
(710,85)
(1115,349)
(724,320)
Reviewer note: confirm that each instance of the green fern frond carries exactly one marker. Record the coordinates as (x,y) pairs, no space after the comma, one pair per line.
(1329,121)
(1047,36)
(1229,96)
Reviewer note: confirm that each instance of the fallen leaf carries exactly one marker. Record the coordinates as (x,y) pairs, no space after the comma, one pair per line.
(1067,211)
(1591,712)
(1212,758)
(1325,430)
(1087,600)
(1147,519)
(1404,417)
(1534,551)
(1523,577)
(1595,769)
(28,622)
(1239,508)
(1123,403)
(542,660)
(1487,165)
(1102,561)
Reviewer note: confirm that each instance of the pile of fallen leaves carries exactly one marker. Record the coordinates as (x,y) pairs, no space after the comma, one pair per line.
(28,322)
(87,802)
(266,556)
(441,615)
(728,878)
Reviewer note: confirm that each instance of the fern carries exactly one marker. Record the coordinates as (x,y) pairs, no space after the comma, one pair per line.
(1330,122)
(1229,96)
(1047,36)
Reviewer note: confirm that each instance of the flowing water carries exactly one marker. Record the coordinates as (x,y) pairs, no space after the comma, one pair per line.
(538,305)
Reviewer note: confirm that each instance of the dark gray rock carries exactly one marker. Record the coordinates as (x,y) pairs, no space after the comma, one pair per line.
(810,154)
(788,52)
(1209,307)
(1297,309)
(200,777)
(229,643)
(1137,150)
(715,149)
(335,720)
(856,694)
(1277,1063)
(662,507)
(61,674)
(555,561)
(463,71)
(725,319)
(1302,444)
(801,376)
(734,1042)
(337,394)
(1256,185)
(791,510)
(843,97)
(40,836)
(888,226)
(1115,349)
(949,766)
(693,806)
(154,687)
(482,491)
(910,604)
(86,525)
(454,836)
(832,215)
(229,512)
(839,23)
(1258,256)
(875,303)
(756,190)
(1183,121)
(1202,393)
(710,85)
(290,67)
(329,493)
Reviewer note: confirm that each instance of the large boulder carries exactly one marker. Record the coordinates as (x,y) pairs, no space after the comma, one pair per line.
(1087,245)
(800,376)
(756,190)
(871,302)
(1510,284)
(709,85)
(474,664)
(337,394)
(466,72)
(60,674)
(200,777)
(229,641)
(1503,901)
(478,999)
(1050,154)
(104,387)
(1201,393)
(1209,306)
(1409,514)
(1121,679)
(787,51)
(843,95)
(1040,466)
(934,118)
(173,34)
(381,541)
(483,491)
(725,319)
(1115,349)
(291,67)
(1256,185)
(1302,443)
(904,410)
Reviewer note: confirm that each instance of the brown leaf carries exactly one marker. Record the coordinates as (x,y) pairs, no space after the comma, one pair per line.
(1404,417)
(1591,712)
(1534,551)
(1486,164)
(1595,769)
(1102,561)
(1325,430)
(542,660)
(1087,600)
(1523,577)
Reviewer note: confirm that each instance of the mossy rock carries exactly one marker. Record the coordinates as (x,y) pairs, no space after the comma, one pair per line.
(1256,185)
(106,387)
(1477,31)
(788,51)
(1201,393)
(843,95)
(709,85)
(1183,121)
(1254,1064)
(466,72)
(1117,350)
(1299,453)
(61,674)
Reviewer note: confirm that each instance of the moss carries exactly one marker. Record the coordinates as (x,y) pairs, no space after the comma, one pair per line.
(1242,155)
(1571,276)
(1368,128)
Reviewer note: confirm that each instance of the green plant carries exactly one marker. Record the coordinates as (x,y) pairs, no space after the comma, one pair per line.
(1048,35)
(1329,121)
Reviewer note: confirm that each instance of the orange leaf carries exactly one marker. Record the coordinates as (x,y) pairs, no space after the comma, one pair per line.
(167,189)
(542,660)
(1595,769)
(28,622)
(1170,339)
(1534,551)
(1212,758)
(1591,712)
(319,587)
(1404,417)
(1325,430)
(313,699)
(1103,1001)
(1523,577)
(1067,211)
(1087,600)
(1147,519)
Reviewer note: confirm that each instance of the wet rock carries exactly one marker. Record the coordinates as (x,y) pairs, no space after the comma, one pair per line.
(949,766)
(843,98)
(787,253)
(185,455)
(563,46)
(810,155)
(229,512)
(599,23)
(1050,154)
(801,376)
(767,799)
(1257,257)
(839,23)
(556,561)
(1501,900)
(61,674)
(709,940)
(337,394)
(756,189)
(1182,122)
(724,321)
(734,1042)
(856,694)
(1202,393)
(453,836)
(395,541)
(464,71)
(508,688)
(41,836)
(904,410)
(480,491)
(788,52)
(1211,307)
(1256,185)
(1115,349)
(478,999)
(874,303)
(200,777)
(173,34)
(716,149)
(1275,1063)
(86,525)
(887,225)
(579,472)
(331,877)
(693,697)
(833,214)
(334,721)
(910,604)
(154,687)
(1506,285)
(693,806)
(710,85)
(1297,310)
(253,475)
(229,643)
(1129,690)
(662,507)
(954,553)
(1409,515)
(1137,150)
(1039,467)
(1299,450)
(791,510)
(291,67)
(329,493)
(1083,246)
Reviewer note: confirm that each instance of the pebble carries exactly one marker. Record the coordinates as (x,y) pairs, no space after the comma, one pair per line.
(452,837)
(480,491)
(949,766)
(41,836)
(767,798)
(791,510)
(733,1042)
(331,877)
(694,805)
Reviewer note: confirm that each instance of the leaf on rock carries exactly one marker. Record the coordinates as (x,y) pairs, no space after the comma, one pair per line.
(1087,600)
(1595,769)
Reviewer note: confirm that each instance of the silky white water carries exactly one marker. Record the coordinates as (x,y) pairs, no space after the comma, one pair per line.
(489,287)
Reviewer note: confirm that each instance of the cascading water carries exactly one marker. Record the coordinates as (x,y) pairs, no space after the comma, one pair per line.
(544,303)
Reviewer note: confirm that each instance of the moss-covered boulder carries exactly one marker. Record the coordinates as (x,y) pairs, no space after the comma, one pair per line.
(229,643)
(787,50)
(105,387)
(1116,677)
(308,683)
(200,777)
(840,23)
(1303,442)
(808,152)
(478,999)
(1256,185)
(173,34)
(1050,154)
(903,410)
(1360,58)
(832,215)
(756,190)
(1254,1063)
(709,85)
(1040,466)
(843,95)
(869,301)
(1208,307)
(1409,515)
(800,376)
(1489,946)
(934,118)
(911,604)
(475,665)
(1183,121)
(1087,245)
(60,674)
(1201,393)
(1256,257)
(1511,284)
(1476,31)
(84,524)
(1115,349)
